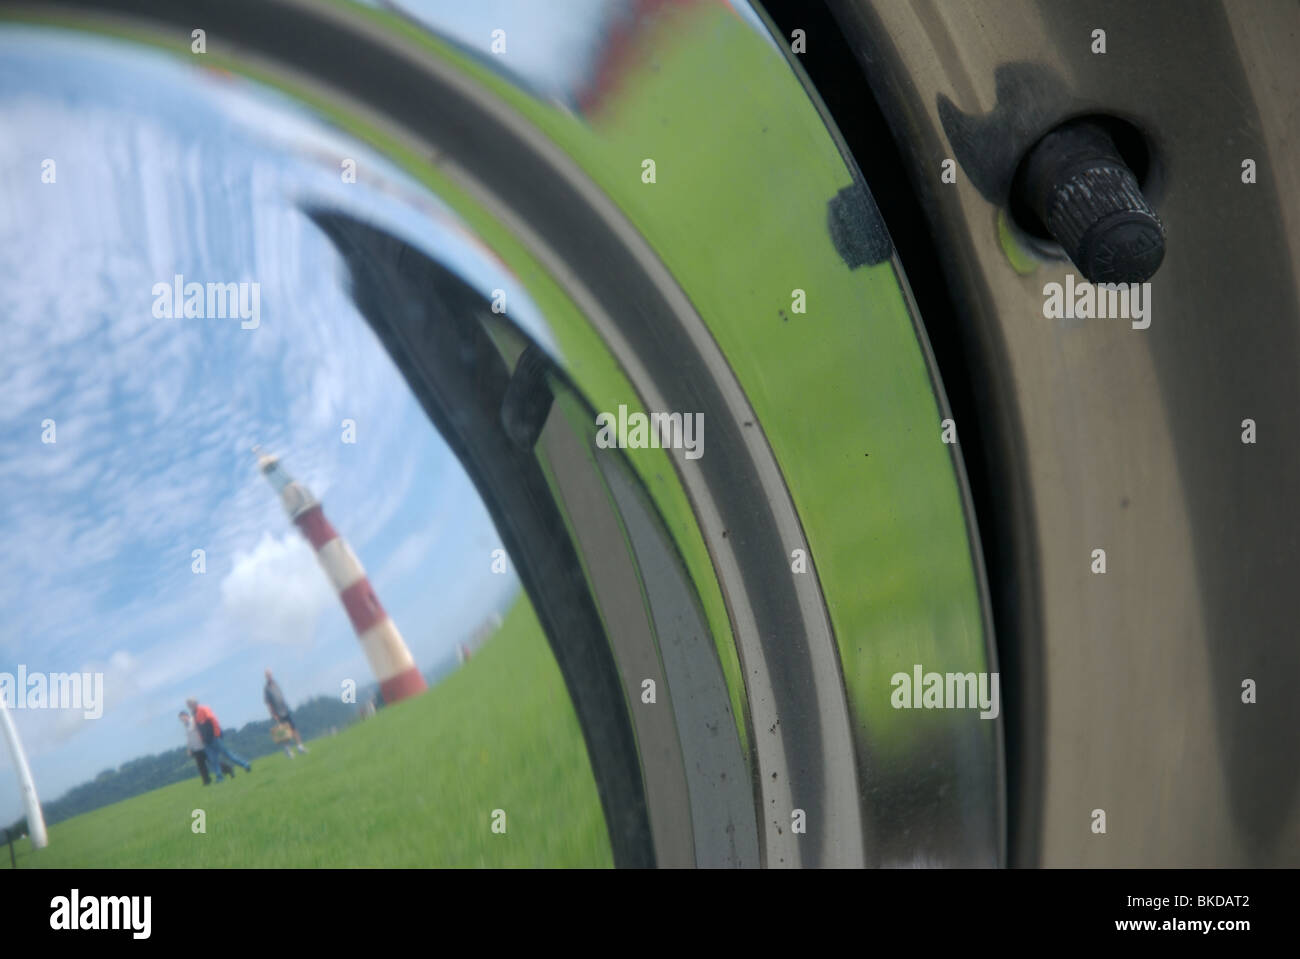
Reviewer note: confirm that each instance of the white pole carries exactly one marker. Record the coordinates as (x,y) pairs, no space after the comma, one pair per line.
(35,821)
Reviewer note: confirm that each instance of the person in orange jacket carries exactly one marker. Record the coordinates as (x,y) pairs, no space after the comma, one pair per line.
(194,743)
(210,731)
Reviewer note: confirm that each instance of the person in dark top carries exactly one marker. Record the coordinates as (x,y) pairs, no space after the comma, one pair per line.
(278,707)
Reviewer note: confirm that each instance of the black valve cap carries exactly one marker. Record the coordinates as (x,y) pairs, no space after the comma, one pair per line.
(1077,184)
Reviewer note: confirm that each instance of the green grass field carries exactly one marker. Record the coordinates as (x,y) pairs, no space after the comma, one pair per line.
(414,786)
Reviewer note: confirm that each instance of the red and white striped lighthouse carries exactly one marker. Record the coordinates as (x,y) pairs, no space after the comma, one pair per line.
(383,644)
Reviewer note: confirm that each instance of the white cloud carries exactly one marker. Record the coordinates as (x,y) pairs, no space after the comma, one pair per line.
(276,593)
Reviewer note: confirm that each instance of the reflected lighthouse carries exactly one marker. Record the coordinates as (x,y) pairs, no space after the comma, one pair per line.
(383,644)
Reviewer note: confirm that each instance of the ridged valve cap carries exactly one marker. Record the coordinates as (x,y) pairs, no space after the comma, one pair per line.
(1082,191)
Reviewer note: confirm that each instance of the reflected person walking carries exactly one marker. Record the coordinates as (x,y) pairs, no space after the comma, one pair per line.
(210,730)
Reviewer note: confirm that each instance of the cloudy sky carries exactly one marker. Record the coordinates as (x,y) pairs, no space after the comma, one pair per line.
(160,169)
(554,51)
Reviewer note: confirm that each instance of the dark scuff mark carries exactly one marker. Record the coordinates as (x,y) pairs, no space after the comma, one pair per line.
(857,228)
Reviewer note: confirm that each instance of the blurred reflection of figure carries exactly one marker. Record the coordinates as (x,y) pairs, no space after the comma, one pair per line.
(194,742)
(210,730)
(278,707)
